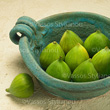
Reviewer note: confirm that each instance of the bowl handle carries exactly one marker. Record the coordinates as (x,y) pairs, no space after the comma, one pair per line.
(25,26)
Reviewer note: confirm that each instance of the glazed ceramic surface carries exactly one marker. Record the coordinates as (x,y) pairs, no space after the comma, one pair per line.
(32,36)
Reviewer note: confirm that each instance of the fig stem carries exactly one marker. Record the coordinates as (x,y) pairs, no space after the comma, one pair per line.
(78,44)
(60,58)
(90,60)
(67,30)
(7,90)
(106,48)
(54,42)
(98,31)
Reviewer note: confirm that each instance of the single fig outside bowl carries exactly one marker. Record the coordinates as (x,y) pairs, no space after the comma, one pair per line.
(22,86)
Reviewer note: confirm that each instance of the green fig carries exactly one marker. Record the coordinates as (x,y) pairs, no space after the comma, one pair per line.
(60,70)
(22,86)
(75,56)
(101,61)
(85,72)
(69,40)
(95,42)
(51,53)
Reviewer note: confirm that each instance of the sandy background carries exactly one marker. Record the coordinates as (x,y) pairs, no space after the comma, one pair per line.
(11,62)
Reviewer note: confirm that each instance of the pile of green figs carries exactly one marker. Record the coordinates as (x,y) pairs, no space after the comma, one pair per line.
(75,60)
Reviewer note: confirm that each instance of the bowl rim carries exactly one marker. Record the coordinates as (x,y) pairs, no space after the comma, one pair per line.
(75,13)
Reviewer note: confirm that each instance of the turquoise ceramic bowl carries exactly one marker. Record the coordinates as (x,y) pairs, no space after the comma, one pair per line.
(35,35)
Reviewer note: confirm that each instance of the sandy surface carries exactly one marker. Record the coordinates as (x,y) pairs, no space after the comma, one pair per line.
(11,62)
